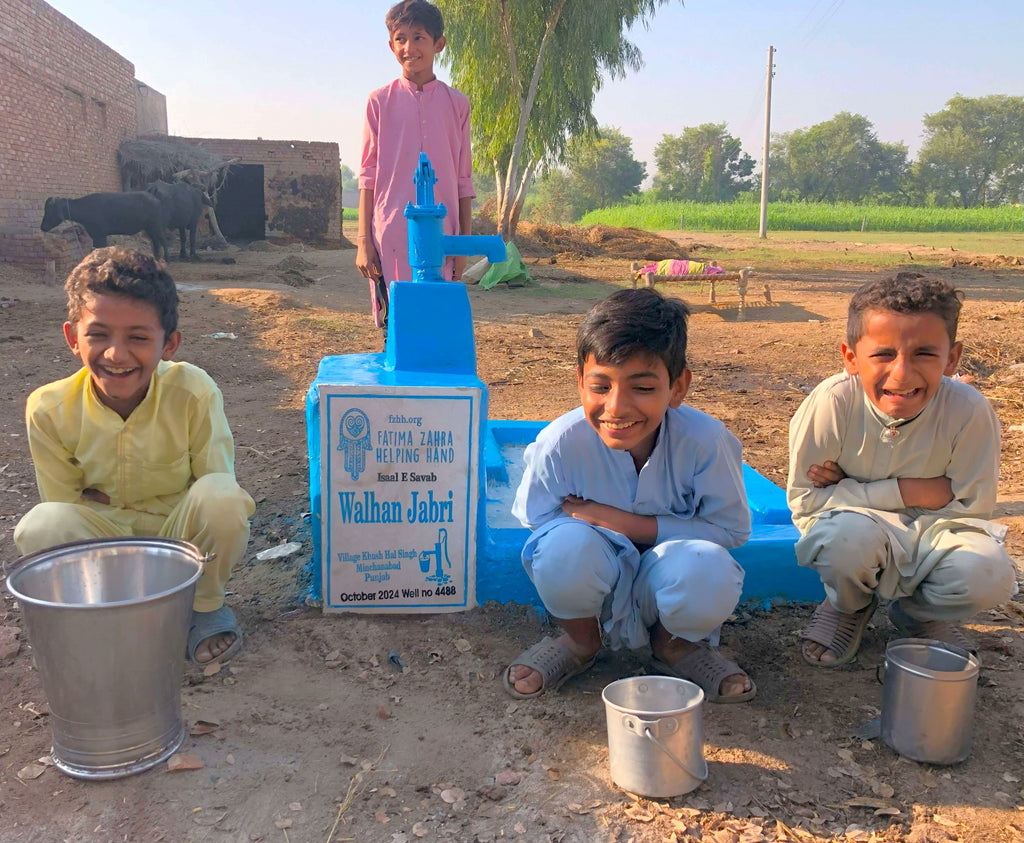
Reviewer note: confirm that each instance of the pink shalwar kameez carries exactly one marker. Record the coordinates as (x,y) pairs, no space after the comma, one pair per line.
(401,122)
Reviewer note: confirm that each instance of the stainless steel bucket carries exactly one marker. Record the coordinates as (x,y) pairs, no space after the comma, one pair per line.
(928,700)
(655,739)
(108,622)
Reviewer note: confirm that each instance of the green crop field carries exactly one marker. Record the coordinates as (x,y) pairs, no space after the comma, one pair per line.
(805,216)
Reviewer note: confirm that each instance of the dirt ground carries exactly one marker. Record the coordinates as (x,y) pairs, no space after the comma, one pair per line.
(318,738)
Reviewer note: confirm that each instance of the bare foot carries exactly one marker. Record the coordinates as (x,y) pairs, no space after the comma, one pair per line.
(214,646)
(669,649)
(582,637)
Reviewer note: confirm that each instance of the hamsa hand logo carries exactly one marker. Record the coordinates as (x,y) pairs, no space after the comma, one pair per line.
(354,440)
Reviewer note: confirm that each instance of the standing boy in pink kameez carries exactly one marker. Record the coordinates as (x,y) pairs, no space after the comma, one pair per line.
(415,113)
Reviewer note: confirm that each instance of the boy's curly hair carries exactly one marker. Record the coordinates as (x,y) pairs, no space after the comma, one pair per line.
(123,272)
(905,292)
(631,322)
(416,13)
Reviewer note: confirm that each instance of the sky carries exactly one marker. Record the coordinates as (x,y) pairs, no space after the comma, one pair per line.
(302,70)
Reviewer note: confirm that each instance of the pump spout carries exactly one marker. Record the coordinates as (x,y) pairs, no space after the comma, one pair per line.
(491,246)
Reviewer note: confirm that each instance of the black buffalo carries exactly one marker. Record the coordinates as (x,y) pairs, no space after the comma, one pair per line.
(182,206)
(102,214)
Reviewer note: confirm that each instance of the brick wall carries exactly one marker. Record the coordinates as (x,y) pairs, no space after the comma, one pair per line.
(301,181)
(66,101)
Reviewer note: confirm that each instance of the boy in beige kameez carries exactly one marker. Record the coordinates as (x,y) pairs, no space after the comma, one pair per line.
(892,477)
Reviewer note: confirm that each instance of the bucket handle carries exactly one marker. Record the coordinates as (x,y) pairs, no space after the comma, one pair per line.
(8,568)
(643,727)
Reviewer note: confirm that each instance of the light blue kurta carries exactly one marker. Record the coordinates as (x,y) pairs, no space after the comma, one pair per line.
(692,483)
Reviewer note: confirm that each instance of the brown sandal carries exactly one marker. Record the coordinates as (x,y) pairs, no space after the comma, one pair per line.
(707,668)
(839,632)
(944,631)
(555,662)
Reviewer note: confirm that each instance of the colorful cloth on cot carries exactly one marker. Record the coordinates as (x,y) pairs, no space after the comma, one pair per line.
(681,267)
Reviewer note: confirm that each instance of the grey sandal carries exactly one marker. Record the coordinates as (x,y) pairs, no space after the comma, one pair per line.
(839,632)
(555,662)
(207,624)
(707,668)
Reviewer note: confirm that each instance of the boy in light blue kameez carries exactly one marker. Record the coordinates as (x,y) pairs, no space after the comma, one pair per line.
(634,500)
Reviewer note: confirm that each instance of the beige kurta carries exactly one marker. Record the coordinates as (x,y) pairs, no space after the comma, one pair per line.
(956,435)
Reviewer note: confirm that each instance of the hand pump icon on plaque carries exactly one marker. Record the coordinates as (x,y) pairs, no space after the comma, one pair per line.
(440,555)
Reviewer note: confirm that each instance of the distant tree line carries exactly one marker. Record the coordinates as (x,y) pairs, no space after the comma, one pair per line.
(972,156)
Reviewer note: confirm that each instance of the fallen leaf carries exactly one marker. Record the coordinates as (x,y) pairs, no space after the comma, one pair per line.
(184,761)
(883,789)
(283,823)
(382,712)
(420,830)
(1009,777)
(212,669)
(508,777)
(928,779)
(845,754)
(462,645)
(388,791)
(381,816)
(891,811)
(31,771)
(230,759)
(203,727)
(635,812)
(295,806)
(347,760)
(453,795)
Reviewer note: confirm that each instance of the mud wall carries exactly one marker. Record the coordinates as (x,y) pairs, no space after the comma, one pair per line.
(66,101)
(302,183)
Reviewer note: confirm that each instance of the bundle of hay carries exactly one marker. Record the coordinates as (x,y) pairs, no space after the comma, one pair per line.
(170,159)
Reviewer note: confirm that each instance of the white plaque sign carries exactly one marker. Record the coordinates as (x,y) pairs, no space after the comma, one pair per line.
(399,497)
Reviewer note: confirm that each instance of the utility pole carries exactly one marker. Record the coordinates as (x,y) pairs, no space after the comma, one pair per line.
(763,233)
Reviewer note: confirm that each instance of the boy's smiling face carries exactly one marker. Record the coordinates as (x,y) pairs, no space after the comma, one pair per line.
(120,341)
(625,403)
(415,49)
(900,359)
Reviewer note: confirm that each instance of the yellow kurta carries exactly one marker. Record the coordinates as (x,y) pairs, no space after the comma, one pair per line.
(148,466)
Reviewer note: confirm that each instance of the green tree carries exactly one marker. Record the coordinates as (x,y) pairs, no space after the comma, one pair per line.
(703,164)
(348,179)
(603,168)
(839,160)
(531,70)
(973,153)
(554,198)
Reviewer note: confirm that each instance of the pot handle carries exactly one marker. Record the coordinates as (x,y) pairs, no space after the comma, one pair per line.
(644,728)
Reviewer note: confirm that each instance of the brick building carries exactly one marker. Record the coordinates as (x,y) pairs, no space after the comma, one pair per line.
(278,187)
(67,101)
